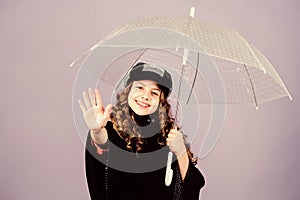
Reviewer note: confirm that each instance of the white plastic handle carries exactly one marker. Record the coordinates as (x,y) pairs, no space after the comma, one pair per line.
(169,171)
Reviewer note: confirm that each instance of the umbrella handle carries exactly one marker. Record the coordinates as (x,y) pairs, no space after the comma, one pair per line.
(169,171)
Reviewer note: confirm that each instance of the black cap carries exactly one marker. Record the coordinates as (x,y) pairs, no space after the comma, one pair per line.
(145,71)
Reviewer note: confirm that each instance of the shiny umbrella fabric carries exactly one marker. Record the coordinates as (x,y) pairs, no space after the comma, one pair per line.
(221,68)
(247,76)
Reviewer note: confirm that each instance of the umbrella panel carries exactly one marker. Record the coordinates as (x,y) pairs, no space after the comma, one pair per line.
(242,84)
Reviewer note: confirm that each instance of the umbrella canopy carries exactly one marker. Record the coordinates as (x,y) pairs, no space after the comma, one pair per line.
(215,61)
(247,76)
(222,67)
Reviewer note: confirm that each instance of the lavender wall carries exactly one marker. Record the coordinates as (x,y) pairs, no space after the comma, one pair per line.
(41,154)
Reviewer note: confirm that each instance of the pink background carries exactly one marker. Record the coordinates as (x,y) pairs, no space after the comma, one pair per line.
(257,156)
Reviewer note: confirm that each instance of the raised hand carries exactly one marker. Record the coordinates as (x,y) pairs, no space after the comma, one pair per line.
(94,113)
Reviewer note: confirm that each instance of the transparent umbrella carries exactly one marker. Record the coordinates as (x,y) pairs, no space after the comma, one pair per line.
(209,63)
(248,76)
(222,66)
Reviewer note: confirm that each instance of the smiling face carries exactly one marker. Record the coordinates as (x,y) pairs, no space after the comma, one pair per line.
(143,97)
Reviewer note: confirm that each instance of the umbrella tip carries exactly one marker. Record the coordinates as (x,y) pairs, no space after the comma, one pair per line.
(72,64)
(256,106)
(265,71)
(192,11)
(93,47)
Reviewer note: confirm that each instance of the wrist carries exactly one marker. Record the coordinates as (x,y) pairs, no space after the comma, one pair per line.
(181,154)
(99,135)
(97,130)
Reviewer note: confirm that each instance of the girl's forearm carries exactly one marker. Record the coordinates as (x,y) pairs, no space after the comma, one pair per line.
(183,162)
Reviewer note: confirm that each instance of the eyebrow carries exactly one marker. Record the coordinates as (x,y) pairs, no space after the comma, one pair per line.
(151,88)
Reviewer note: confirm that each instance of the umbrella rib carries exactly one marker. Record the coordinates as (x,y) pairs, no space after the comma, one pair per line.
(252,86)
(194,81)
(131,67)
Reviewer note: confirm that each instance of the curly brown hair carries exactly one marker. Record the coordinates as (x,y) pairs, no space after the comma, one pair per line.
(128,130)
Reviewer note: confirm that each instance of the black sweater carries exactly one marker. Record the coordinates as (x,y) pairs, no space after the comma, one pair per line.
(135,176)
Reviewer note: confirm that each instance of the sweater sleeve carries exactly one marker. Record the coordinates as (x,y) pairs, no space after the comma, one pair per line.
(94,170)
(95,164)
(193,182)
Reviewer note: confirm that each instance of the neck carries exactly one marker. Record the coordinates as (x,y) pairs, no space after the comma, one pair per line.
(141,120)
(149,126)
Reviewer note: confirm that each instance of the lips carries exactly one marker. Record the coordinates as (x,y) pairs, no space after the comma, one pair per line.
(142,104)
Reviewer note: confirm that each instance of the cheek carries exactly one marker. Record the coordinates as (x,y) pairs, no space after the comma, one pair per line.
(155,103)
(130,96)
(130,100)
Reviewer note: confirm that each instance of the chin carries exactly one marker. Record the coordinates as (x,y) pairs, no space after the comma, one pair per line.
(142,112)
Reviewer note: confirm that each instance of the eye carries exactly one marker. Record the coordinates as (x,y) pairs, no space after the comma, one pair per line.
(155,93)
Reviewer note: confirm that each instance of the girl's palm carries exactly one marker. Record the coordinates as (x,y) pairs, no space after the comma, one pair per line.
(94,114)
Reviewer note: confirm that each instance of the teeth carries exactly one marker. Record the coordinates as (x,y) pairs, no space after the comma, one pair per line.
(142,104)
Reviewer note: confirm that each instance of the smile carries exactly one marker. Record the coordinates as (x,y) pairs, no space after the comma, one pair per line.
(142,104)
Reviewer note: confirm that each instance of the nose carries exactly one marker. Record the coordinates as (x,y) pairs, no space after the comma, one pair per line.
(146,94)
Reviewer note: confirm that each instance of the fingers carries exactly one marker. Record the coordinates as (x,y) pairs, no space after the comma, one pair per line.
(86,100)
(106,113)
(92,97)
(171,137)
(174,133)
(98,98)
(175,141)
(83,108)
(107,110)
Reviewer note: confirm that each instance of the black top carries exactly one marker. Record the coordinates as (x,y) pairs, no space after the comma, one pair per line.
(136,176)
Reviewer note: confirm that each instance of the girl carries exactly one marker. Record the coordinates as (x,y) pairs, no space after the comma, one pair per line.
(128,143)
